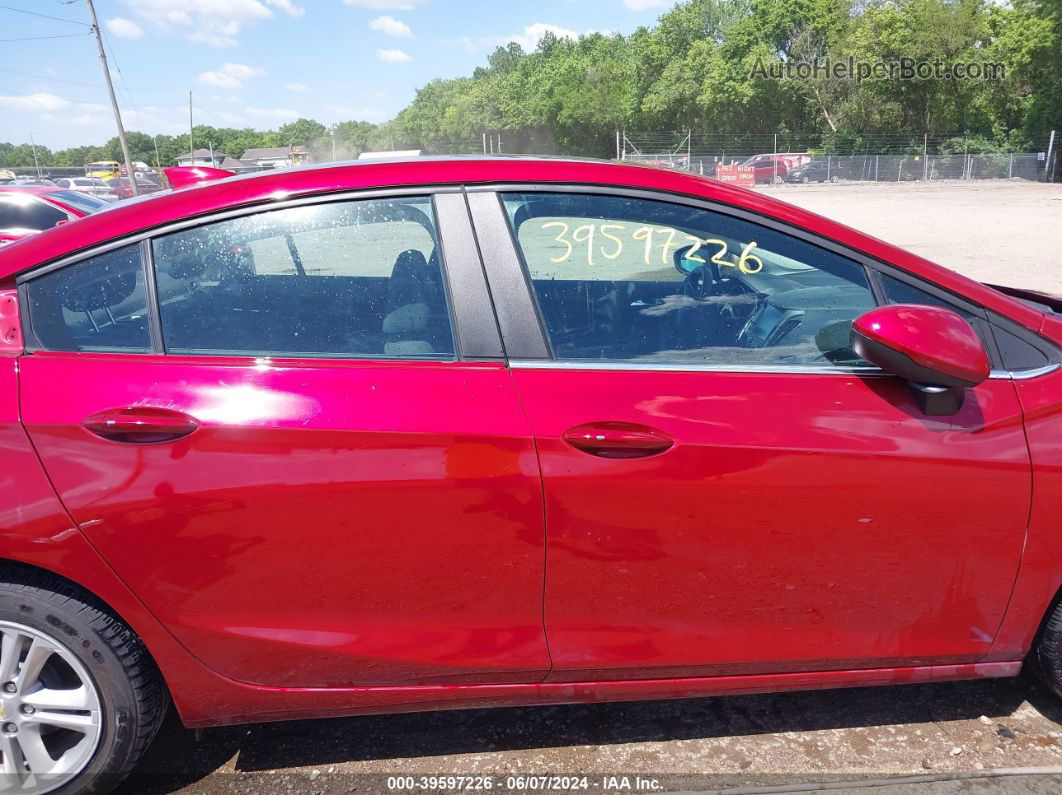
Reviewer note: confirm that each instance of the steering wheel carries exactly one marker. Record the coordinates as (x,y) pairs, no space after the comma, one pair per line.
(740,310)
(694,317)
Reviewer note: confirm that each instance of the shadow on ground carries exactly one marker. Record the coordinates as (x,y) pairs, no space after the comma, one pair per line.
(180,757)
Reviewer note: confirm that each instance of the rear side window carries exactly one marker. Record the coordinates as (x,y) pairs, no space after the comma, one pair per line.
(98,304)
(81,201)
(350,279)
(25,211)
(644,281)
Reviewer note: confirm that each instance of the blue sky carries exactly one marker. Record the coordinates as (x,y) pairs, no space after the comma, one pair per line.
(258,63)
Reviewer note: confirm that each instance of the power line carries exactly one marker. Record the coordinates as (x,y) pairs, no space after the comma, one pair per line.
(44,16)
(46,78)
(41,38)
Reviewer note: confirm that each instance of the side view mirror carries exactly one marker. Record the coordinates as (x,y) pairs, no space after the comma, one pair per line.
(933,348)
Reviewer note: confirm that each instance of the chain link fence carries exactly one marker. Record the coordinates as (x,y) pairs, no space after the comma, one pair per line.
(887,158)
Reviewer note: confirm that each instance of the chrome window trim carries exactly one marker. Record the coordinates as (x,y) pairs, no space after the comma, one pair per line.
(675,367)
(777,369)
(1025,375)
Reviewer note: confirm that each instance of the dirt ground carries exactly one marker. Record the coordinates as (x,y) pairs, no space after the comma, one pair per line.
(998,231)
(1007,232)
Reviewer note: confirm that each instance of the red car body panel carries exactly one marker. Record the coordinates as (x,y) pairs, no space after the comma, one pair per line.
(485,533)
(700,555)
(391,524)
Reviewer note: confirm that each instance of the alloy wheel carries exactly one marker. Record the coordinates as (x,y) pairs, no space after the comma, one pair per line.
(50,717)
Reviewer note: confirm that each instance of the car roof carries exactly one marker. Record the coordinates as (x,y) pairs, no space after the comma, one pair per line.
(264,188)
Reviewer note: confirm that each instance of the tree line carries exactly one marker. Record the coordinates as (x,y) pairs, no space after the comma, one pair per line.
(706,66)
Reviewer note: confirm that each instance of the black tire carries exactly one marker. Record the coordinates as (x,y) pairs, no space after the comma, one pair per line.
(1047,653)
(131,695)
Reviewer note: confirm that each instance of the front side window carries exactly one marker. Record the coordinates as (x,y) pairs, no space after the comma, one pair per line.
(350,279)
(98,304)
(637,280)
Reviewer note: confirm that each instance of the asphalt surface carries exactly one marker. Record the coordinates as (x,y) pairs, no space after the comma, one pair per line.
(1004,232)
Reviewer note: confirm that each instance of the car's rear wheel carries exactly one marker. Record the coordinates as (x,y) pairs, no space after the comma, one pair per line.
(778,179)
(80,699)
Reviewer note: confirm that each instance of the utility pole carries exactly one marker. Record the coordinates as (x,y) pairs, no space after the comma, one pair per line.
(1049,163)
(36,163)
(114,101)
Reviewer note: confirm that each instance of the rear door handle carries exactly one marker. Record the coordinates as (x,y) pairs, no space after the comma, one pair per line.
(618,439)
(141,424)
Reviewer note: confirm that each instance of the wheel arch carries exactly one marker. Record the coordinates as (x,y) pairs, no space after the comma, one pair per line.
(189,683)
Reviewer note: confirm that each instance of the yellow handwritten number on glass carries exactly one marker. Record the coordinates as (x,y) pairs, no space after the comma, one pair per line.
(560,239)
(746,260)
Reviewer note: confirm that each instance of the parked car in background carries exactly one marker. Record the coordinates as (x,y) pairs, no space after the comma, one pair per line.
(507,432)
(102,169)
(90,185)
(28,209)
(122,187)
(814,171)
(40,181)
(775,167)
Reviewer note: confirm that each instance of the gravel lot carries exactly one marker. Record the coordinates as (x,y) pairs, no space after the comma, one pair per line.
(1006,232)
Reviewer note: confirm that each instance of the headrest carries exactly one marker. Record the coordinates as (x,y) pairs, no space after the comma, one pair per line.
(87,291)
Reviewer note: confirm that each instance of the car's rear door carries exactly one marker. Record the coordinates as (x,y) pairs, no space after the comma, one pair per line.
(308,459)
(728,488)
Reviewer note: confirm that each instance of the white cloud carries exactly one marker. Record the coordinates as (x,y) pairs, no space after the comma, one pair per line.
(40,101)
(230,75)
(298,88)
(533,34)
(391,27)
(346,113)
(386,5)
(213,22)
(287,7)
(85,114)
(642,5)
(124,28)
(529,39)
(393,56)
(274,114)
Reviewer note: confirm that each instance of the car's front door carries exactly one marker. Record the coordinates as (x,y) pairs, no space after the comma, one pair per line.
(300,467)
(729,489)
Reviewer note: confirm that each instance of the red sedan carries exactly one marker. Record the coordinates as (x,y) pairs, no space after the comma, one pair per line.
(28,209)
(449,433)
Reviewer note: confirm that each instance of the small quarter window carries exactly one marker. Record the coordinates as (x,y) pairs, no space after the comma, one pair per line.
(98,304)
(898,292)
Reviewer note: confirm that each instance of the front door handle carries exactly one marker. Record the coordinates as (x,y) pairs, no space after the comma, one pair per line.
(141,424)
(618,439)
